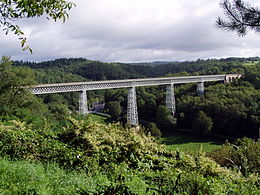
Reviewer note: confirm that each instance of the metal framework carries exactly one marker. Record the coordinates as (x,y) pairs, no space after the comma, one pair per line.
(170,99)
(83,103)
(200,89)
(132,116)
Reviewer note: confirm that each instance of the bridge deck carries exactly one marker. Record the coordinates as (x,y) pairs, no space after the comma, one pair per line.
(110,84)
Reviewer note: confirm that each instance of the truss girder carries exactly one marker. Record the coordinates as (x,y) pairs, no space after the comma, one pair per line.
(112,84)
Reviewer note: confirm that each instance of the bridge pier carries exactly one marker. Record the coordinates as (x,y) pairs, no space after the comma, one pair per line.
(200,88)
(83,102)
(132,115)
(170,99)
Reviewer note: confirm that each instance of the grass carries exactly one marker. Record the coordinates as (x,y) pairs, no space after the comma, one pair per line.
(21,177)
(98,118)
(190,143)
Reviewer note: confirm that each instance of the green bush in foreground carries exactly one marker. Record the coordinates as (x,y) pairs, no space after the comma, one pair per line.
(243,155)
(111,159)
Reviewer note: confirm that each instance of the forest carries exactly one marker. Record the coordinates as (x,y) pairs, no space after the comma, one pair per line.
(231,109)
(57,151)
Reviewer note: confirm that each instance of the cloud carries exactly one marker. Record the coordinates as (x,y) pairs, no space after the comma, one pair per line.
(131,31)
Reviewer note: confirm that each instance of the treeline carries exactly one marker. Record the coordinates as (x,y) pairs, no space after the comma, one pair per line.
(96,70)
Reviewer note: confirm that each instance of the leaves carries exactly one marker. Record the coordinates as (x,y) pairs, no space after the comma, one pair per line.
(241,17)
(12,10)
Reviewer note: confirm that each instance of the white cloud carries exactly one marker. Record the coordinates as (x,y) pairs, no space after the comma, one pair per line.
(133,30)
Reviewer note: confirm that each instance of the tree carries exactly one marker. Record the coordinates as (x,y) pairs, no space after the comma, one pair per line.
(115,110)
(14,98)
(12,10)
(164,118)
(241,17)
(202,124)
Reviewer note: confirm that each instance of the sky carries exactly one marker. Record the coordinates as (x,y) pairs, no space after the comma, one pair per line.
(132,31)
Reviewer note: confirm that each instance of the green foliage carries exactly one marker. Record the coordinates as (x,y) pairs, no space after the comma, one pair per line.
(115,160)
(11,10)
(202,124)
(19,141)
(22,177)
(15,99)
(241,16)
(114,110)
(60,111)
(109,143)
(243,155)
(164,117)
(153,130)
(252,75)
(234,110)
(118,160)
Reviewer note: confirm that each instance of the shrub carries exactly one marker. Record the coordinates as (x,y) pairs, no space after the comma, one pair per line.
(115,160)
(19,141)
(243,155)
(153,130)
(109,143)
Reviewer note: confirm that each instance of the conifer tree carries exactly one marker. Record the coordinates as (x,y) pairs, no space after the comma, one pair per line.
(241,17)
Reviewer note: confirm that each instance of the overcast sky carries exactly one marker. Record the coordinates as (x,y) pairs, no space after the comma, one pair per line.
(133,31)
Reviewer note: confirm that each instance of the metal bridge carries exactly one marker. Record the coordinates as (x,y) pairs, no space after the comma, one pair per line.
(132,116)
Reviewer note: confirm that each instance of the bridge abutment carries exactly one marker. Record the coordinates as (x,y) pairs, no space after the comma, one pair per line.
(132,115)
(170,98)
(83,102)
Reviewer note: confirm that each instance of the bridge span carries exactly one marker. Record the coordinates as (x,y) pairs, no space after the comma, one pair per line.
(132,115)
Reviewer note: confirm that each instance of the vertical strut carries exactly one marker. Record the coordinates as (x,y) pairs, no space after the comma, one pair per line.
(132,116)
(170,99)
(83,102)
(200,89)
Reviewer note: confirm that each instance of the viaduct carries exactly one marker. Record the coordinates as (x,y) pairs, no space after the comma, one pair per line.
(131,84)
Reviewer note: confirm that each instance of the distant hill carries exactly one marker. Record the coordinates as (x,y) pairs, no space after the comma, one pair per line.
(79,69)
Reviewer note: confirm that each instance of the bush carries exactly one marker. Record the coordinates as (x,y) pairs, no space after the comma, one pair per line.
(19,141)
(243,155)
(115,160)
(153,130)
(109,143)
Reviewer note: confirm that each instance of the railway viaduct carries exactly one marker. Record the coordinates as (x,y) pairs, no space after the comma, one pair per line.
(131,84)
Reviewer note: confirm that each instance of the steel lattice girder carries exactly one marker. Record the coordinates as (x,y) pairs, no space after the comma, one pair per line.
(96,85)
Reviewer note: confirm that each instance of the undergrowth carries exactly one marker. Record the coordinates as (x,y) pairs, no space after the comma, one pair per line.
(91,158)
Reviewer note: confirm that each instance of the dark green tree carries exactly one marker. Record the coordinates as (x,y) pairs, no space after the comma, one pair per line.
(115,110)
(241,16)
(153,130)
(14,96)
(202,124)
(164,118)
